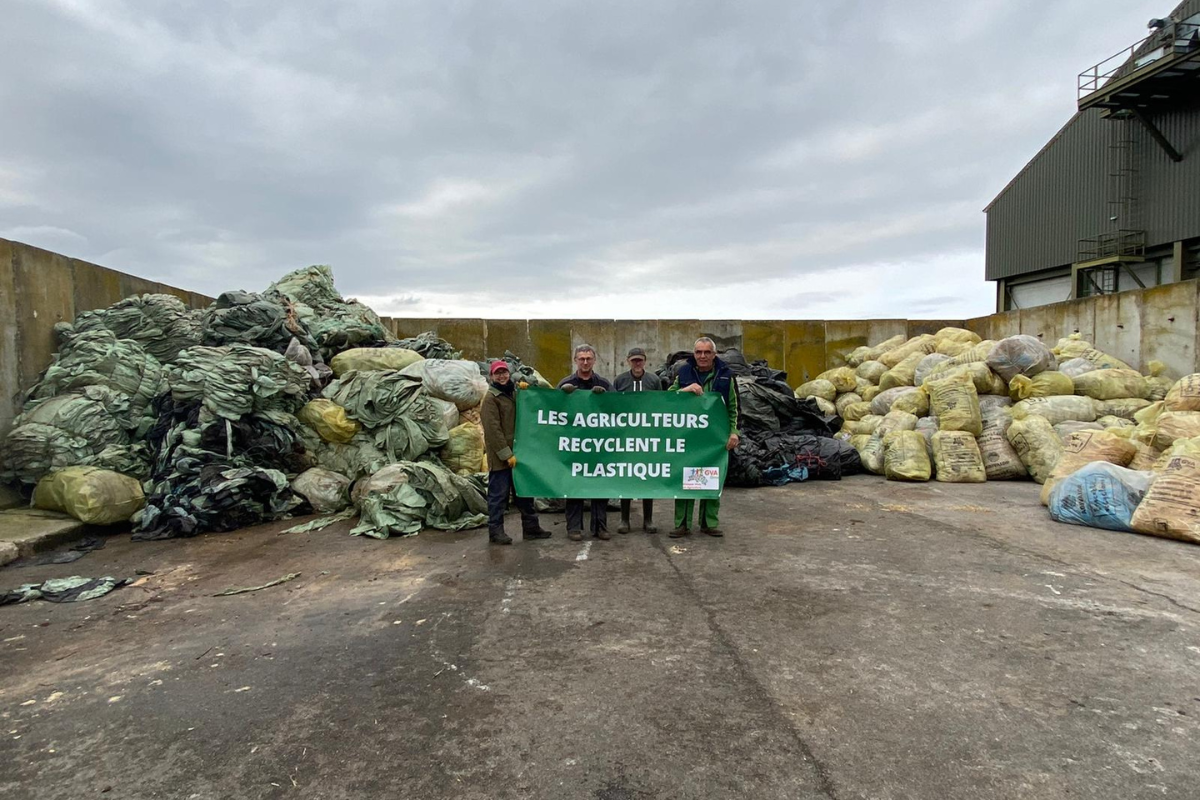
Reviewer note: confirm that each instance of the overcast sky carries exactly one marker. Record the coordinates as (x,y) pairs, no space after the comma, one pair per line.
(714,159)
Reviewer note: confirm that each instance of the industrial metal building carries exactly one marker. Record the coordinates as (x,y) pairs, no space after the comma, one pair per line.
(1112,202)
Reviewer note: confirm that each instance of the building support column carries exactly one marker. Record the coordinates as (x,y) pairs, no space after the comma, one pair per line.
(1177,258)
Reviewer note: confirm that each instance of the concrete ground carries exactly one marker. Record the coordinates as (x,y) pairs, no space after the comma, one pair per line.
(860,639)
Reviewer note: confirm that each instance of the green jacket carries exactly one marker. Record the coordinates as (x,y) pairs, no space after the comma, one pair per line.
(731,405)
(498,414)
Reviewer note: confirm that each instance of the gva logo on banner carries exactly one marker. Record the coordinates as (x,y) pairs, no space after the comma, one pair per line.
(701,477)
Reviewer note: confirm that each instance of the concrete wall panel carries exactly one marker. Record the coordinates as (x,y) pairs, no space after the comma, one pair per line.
(1169,327)
(95,287)
(507,334)
(600,334)
(726,333)
(628,333)
(678,334)
(916,327)
(1051,323)
(765,339)
(45,295)
(804,344)
(10,361)
(130,284)
(1117,327)
(550,348)
(468,335)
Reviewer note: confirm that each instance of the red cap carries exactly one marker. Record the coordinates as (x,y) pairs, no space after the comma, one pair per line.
(497,365)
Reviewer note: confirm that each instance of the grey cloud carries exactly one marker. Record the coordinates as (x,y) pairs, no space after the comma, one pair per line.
(445,149)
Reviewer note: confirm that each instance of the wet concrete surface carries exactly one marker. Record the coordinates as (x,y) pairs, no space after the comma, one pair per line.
(859,639)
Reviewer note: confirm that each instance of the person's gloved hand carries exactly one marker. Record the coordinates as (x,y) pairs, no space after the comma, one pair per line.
(512,461)
(598,390)
(570,387)
(522,384)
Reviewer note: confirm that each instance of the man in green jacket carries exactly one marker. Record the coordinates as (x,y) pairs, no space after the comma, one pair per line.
(498,414)
(704,372)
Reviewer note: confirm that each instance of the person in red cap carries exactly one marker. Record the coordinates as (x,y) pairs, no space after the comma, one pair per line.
(498,414)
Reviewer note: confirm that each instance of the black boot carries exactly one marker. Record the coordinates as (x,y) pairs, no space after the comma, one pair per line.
(648,517)
(537,533)
(499,537)
(624,526)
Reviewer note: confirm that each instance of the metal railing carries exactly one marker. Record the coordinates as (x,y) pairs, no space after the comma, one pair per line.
(1122,244)
(1174,38)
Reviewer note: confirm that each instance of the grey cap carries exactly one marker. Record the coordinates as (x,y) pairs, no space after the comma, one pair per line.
(636,351)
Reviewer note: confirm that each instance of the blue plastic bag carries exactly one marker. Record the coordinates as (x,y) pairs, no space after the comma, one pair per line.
(1100,495)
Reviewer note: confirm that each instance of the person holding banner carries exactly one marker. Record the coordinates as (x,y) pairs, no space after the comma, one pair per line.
(636,379)
(585,378)
(498,414)
(704,372)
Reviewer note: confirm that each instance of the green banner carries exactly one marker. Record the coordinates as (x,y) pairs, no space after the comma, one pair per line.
(636,445)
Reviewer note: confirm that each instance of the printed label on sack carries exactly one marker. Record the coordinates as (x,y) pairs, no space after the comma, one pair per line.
(701,477)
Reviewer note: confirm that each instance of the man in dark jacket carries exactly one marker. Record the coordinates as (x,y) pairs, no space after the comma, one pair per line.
(498,415)
(585,378)
(636,379)
(704,372)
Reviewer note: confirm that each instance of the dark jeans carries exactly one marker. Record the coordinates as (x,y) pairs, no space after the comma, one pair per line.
(599,515)
(500,486)
(647,510)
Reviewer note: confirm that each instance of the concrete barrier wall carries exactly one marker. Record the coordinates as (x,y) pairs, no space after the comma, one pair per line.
(38,289)
(1139,326)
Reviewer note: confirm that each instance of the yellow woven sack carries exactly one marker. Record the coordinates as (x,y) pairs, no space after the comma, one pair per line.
(1180,447)
(366,359)
(915,402)
(463,454)
(818,387)
(905,457)
(329,420)
(955,403)
(858,355)
(1084,447)
(1037,445)
(903,374)
(1110,384)
(1123,407)
(827,408)
(922,344)
(1045,384)
(1057,409)
(1145,458)
(1074,346)
(1170,509)
(885,346)
(959,335)
(872,453)
(866,425)
(842,379)
(845,400)
(90,494)
(856,411)
(1172,425)
(871,371)
(956,458)
(1184,394)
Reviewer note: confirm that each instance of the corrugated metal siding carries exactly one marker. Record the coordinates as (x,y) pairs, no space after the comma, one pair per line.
(1171,191)
(1059,198)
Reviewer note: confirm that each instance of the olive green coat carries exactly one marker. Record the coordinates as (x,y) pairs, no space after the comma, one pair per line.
(499,417)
